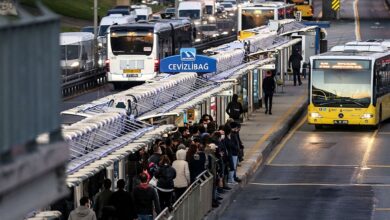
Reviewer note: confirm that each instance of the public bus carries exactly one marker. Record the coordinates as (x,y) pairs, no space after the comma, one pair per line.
(134,50)
(350,85)
(258,14)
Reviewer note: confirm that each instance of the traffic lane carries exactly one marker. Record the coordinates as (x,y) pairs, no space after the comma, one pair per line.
(287,186)
(89,96)
(374,19)
(331,146)
(369,9)
(375,29)
(382,202)
(340,32)
(283,202)
(346,11)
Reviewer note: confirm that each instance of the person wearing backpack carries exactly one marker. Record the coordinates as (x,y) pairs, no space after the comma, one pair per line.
(234,108)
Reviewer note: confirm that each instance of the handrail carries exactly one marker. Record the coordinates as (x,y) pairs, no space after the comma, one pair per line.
(200,191)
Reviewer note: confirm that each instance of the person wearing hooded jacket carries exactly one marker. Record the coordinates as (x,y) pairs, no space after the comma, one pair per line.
(182,179)
(295,63)
(268,89)
(84,211)
(234,108)
(165,175)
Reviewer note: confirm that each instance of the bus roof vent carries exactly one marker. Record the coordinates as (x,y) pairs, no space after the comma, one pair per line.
(359,48)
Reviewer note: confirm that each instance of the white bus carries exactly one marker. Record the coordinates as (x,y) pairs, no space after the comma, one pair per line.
(134,50)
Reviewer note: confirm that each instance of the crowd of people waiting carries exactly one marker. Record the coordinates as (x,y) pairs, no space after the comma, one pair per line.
(173,163)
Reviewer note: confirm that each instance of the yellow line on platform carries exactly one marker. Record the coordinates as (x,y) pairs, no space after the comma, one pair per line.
(283,143)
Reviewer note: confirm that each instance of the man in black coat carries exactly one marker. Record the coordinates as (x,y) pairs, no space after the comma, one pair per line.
(234,108)
(268,89)
(123,202)
(145,196)
(295,63)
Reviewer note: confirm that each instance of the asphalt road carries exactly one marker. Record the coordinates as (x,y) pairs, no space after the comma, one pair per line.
(336,173)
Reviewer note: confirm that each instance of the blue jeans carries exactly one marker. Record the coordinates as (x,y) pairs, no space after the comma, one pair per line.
(145,217)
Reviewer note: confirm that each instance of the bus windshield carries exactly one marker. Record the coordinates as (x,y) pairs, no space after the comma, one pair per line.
(103,30)
(70,52)
(252,18)
(341,83)
(132,42)
(193,14)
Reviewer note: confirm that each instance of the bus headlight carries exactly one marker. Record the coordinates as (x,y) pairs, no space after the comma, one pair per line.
(315,115)
(75,64)
(367,116)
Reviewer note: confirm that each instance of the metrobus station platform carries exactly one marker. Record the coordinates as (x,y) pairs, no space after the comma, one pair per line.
(261,133)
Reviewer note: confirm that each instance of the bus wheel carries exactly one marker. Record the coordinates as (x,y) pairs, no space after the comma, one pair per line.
(318,127)
(117,85)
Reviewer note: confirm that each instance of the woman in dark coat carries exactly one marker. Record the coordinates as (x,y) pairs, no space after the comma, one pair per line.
(165,175)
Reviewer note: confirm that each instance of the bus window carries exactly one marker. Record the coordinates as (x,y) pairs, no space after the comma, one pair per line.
(281,14)
(131,42)
(341,82)
(193,14)
(70,52)
(252,18)
(290,12)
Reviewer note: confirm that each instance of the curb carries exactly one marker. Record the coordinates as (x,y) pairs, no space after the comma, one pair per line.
(271,143)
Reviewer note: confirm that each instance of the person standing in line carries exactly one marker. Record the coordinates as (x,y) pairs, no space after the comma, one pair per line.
(295,63)
(165,175)
(123,202)
(182,179)
(103,198)
(232,150)
(84,211)
(268,89)
(145,196)
(234,108)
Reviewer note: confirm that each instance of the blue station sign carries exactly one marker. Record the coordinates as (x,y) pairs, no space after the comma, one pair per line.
(188,61)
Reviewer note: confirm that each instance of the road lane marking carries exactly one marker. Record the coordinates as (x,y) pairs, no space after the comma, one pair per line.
(319,184)
(384,132)
(366,156)
(311,165)
(378,166)
(281,145)
(382,209)
(357,20)
(275,126)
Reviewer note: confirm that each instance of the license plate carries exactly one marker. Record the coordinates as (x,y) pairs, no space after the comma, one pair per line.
(130,75)
(131,71)
(340,122)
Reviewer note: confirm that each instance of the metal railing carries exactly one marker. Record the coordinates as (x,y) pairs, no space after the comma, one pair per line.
(82,81)
(195,203)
